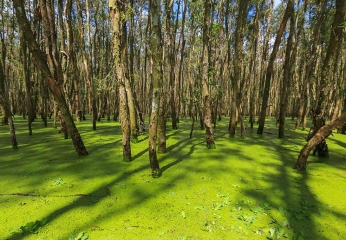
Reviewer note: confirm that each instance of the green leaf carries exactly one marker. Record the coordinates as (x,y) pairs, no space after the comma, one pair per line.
(80,235)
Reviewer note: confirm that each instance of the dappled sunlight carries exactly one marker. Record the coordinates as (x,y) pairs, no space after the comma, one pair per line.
(244,188)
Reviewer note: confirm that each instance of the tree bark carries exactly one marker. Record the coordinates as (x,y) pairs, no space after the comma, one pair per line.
(320,110)
(156,78)
(6,107)
(270,68)
(321,134)
(210,142)
(115,13)
(54,78)
(287,76)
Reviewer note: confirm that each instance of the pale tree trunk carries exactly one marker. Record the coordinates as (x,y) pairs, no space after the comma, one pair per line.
(210,142)
(156,80)
(115,13)
(288,74)
(49,64)
(270,68)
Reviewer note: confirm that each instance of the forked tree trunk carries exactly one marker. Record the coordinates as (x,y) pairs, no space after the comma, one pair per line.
(128,88)
(321,134)
(55,78)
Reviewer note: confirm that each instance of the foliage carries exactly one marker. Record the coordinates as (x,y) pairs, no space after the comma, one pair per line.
(30,227)
(79,236)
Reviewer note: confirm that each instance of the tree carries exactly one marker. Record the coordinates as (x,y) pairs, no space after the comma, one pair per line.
(320,130)
(270,67)
(115,7)
(5,104)
(210,142)
(156,81)
(320,111)
(49,63)
(287,76)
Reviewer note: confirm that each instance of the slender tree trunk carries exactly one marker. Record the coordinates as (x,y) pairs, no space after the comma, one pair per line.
(309,70)
(26,72)
(320,111)
(210,142)
(6,107)
(87,62)
(156,78)
(129,93)
(54,78)
(270,67)
(161,128)
(288,74)
(118,48)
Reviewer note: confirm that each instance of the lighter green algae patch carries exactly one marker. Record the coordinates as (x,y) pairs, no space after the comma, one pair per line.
(243,189)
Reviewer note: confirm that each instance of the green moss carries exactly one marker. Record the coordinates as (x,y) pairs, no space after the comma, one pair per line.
(246,188)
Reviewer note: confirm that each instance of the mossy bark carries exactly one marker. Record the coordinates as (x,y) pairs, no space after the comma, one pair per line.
(210,142)
(118,45)
(156,78)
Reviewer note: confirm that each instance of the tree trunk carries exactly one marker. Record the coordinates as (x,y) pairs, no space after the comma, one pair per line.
(312,57)
(161,126)
(156,78)
(210,142)
(6,107)
(129,93)
(118,48)
(270,68)
(54,78)
(321,135)
(320,110)
(287,78)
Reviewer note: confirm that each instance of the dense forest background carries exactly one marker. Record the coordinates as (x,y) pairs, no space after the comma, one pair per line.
(128,60)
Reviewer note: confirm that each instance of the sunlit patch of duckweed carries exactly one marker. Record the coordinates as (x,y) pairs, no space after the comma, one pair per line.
(243,189)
